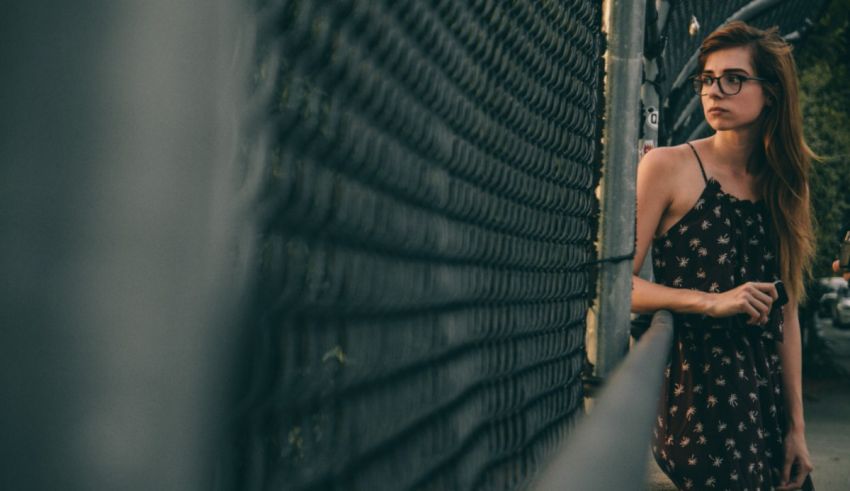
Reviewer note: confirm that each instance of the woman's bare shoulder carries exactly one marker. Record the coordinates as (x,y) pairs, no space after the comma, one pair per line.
(664,163)
(669,182)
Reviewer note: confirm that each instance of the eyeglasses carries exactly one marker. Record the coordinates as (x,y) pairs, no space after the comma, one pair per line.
(729,83)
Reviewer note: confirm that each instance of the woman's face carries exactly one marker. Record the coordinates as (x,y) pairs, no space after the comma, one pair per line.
(729,112)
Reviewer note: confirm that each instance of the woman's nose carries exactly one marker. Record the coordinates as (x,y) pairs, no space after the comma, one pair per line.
(713,90)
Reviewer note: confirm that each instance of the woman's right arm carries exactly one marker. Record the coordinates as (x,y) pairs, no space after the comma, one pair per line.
(657,178)
(656,181)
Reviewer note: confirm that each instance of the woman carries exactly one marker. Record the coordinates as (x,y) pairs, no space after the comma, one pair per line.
(726,216)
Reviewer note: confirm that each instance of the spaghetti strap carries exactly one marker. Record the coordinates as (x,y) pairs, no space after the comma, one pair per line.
(701,168)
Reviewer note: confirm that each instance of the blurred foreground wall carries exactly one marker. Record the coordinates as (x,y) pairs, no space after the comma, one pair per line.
(114,144)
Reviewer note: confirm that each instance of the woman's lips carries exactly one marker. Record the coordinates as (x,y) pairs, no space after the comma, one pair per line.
(717,110)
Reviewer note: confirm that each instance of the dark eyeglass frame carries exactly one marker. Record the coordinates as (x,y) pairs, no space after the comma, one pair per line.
(698,85)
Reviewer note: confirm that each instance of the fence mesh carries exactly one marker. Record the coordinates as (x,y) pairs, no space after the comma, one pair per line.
(682,113)
(423,178)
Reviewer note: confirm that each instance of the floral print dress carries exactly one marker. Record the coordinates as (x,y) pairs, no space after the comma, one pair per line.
(721,416)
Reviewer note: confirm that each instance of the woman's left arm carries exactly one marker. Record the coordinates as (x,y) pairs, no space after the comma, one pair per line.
(790,353)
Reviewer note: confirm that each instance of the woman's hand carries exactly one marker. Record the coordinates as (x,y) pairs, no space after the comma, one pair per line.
(753,299)
(796,452)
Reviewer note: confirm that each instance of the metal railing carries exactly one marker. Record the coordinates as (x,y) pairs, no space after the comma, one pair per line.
(608,449)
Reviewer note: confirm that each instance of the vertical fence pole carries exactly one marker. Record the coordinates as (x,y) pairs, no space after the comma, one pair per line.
(624,25)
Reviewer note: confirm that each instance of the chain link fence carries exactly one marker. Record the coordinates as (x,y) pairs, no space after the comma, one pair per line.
(423,179)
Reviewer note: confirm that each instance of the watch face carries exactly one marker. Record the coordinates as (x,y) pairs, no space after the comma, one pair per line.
(782,294)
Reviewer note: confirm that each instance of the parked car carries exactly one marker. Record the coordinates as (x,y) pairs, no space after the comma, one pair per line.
(829,296)
(841,314)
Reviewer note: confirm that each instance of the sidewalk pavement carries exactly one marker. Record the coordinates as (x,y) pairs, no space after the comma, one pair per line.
(827,410)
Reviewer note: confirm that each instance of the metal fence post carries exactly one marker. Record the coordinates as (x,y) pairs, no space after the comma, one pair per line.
(624,24)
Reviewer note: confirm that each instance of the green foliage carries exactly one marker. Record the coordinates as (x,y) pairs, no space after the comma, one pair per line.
(824,68)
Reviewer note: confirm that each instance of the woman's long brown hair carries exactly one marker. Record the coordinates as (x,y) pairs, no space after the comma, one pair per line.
(781,163)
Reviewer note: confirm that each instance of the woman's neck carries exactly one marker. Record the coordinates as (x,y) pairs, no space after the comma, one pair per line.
(734,149)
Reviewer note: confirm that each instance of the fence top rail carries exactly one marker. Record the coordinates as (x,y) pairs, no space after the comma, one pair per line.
(609,448)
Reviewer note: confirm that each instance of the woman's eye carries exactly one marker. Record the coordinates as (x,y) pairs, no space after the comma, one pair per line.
(732,79)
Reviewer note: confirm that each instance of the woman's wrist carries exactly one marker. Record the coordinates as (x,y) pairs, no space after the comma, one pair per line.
(705,303)
(796,425)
